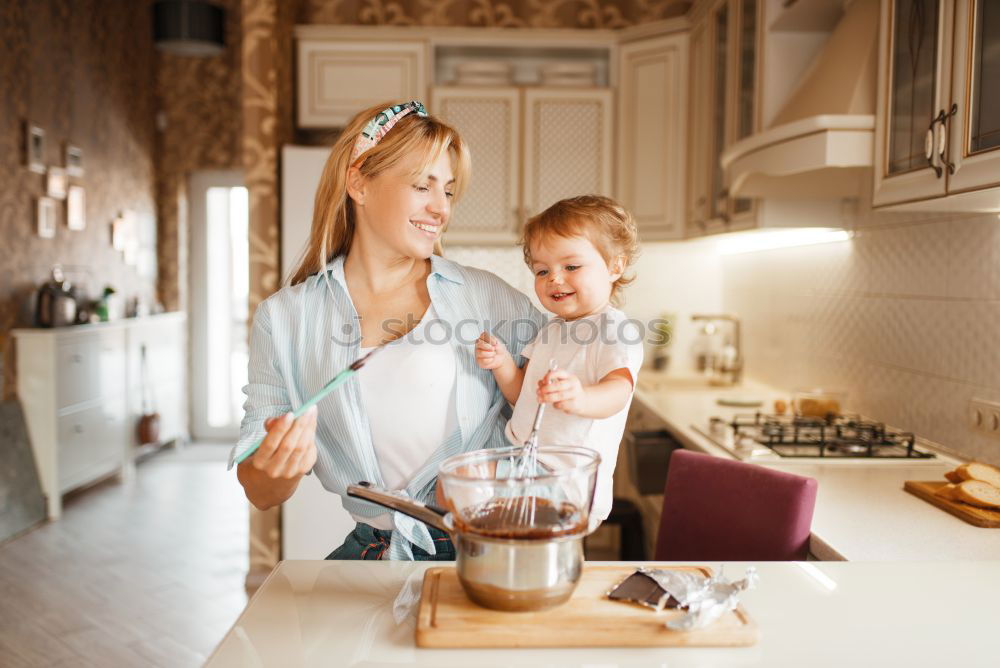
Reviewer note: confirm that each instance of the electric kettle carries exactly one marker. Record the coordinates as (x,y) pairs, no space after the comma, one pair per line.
(56,305)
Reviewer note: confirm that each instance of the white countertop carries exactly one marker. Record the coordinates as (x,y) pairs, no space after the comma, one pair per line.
(339,613)
(91,327)
(862,512)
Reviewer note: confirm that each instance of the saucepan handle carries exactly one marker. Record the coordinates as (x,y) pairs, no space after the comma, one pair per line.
(426,513)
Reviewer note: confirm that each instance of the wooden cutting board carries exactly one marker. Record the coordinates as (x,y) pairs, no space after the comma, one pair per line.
(447,618)
(980,517)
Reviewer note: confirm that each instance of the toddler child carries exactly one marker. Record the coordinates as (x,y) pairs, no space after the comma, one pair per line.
(578,249)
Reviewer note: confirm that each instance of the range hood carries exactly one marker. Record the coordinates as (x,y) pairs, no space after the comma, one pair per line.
(820,144)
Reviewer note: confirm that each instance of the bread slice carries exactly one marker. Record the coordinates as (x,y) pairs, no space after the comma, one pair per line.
(978,493)
(979,471)
(946,492)
(953,476)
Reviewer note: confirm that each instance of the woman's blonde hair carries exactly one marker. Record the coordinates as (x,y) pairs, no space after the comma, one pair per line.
(600,220)
(334,217)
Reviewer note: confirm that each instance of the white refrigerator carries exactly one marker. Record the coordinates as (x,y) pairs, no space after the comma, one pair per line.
(313,521)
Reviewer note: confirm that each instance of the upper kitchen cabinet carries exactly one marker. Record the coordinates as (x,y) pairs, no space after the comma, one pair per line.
(568,145)
(975,128)
(558,139)
(338,77)
(652,145)
(547,114)
(938,129)
(489,120)
(914,85)
(724,108)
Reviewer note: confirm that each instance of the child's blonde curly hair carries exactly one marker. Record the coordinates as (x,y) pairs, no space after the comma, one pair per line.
(600,220)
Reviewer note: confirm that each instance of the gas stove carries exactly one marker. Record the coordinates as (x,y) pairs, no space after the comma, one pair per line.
(762,436)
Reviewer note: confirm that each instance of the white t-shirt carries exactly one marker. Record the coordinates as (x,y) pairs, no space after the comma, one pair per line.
(408,391)
(590,348)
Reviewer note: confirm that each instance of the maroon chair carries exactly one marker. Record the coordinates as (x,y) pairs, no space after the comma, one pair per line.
(717,509)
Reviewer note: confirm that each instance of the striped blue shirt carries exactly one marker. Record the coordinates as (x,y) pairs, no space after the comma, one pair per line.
(305,334)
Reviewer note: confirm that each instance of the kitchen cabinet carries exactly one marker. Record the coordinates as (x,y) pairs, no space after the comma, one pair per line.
(653,88)
(974,139)
(568,147)
(533,142)
(558,139)
(914,83)
(80,388)
(938,116)
(489,120)
(641,421)
(338,78)
(724,109)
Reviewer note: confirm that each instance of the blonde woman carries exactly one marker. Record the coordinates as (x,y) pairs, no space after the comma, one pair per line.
(373,274)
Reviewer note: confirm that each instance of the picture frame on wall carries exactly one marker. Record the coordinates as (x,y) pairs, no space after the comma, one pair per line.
(76,208)
(34,141)
(118,233)
(58,182)
(45,217)
(74,161)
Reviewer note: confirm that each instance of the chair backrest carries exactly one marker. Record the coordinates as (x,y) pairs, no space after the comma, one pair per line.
(717,509)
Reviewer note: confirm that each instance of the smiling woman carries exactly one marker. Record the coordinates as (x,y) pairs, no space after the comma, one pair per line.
(372,272)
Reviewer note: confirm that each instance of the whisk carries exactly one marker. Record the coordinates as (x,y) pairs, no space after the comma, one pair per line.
(521,510)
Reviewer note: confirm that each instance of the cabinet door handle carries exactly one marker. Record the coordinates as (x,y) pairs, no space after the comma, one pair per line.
(76,358)
(929,142)
(78,428)
(942,144)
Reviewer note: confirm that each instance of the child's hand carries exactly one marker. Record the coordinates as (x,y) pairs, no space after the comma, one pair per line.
(491,352)
(563,390)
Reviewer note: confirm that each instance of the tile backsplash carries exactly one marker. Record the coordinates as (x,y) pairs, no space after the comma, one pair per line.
(905,317)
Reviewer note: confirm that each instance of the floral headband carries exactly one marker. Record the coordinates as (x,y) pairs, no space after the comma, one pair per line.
(379,126)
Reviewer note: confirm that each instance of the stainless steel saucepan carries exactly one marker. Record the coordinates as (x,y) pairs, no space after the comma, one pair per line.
(505,565)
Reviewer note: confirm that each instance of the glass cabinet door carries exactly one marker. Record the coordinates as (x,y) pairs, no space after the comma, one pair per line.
(747,90)
(720,48)
(984,98)
(974,141)
(748,69)
(914,89)
(914,74)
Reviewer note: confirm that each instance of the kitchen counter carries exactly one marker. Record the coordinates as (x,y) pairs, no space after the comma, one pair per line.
(340,613)
(862,512)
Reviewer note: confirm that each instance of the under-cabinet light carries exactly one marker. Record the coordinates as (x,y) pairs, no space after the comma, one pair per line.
(749,242)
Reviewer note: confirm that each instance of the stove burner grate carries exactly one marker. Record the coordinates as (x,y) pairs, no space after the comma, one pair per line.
(846,435)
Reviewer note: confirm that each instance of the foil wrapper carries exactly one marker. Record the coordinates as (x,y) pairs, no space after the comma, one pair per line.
(704,599)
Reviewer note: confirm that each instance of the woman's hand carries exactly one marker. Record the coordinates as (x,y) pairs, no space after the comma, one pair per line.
(289,450)
(491,353)
(563,390)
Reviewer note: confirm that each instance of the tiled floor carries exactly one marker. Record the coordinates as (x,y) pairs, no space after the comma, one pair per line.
(145,574)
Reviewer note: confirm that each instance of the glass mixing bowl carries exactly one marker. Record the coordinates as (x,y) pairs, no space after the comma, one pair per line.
(490,493)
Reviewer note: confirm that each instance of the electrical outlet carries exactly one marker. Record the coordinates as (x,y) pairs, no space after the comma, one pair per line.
(984,417)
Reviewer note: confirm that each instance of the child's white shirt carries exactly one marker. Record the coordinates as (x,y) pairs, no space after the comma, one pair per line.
(590,348)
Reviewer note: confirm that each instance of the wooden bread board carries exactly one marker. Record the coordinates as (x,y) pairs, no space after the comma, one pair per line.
(447,618)
(980,517)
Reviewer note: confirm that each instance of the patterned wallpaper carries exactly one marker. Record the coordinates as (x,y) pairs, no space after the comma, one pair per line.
(199,127)
(80,70)
(513,14)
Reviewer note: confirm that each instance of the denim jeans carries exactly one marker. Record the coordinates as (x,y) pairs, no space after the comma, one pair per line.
(366,542)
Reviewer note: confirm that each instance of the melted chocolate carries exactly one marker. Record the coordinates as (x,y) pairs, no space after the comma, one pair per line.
(513,518)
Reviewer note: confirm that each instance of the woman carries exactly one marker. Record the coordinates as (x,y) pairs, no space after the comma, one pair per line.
(372,274)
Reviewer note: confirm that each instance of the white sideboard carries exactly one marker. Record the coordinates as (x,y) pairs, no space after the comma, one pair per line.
(81,391)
